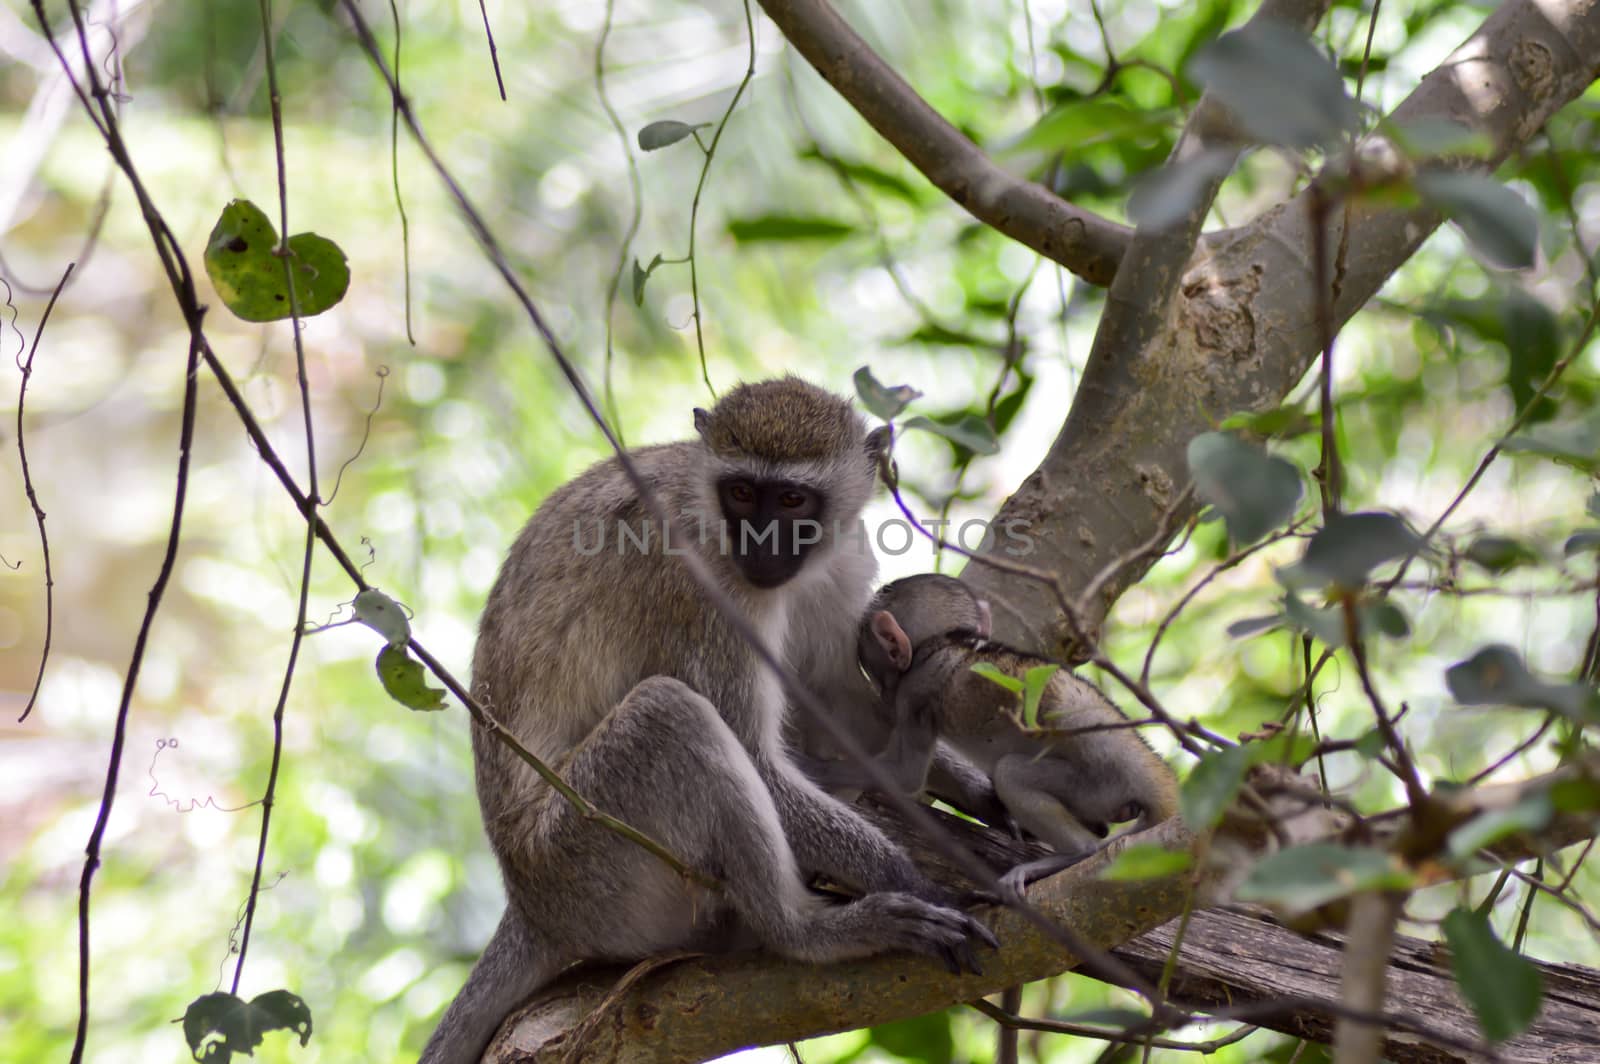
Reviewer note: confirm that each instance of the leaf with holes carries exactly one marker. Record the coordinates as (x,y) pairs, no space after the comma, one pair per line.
(1255,491)
(216,1026)
(1280,86)
(1495,219)
(1501,985)
(882,400)
(246,269)
(407,681)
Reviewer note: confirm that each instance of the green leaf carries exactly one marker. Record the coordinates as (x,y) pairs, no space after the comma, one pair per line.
(1163,196)
(883,401)
(1255,625)
(1497,221)
(993,674)
(1255,491)
(871,176)
(942,336)
(787,227)
(383,615)
(245,268)
(1301,878)
(1350,546)
(1502,987)
(1583,542)
(1434,137)
(1280,86)
(1496,676)
(216,1026)
(1500,554)
(1574,443)
(641,274)
(1280,422)
(1530,814)
(971,432)
(658,135)
(1327,623)
(407,681)
(1146,861)
(1034,682)
(1578,795)
(1080,123)
(1211,786)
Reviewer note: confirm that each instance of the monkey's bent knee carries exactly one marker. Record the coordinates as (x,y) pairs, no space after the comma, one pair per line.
(665,695)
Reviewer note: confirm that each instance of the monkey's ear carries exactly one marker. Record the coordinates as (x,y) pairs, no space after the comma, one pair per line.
(985,619)
(702,424)
(892,638)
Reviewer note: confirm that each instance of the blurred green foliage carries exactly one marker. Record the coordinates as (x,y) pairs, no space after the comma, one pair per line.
(380,887)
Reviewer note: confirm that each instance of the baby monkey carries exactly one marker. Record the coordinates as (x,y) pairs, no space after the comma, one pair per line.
(918,642)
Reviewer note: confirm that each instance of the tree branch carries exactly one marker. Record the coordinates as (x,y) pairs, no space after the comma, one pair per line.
(1242,332)
(707,1006)
(1029,213)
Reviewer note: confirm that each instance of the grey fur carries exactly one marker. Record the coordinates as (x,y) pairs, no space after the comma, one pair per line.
(919,640)
(611,666)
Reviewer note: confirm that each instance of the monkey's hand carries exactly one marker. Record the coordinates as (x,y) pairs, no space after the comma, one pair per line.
(903,921)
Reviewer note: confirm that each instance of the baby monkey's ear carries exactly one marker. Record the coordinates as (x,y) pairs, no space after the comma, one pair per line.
(892,639)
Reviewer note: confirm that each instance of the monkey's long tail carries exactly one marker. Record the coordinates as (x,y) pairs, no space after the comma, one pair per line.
(512,967)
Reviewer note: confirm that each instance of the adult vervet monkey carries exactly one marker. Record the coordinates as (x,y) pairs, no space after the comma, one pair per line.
(602,655)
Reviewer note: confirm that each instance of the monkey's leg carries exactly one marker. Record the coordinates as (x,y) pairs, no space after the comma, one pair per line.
(666,762)
(1027,784)
(954,779)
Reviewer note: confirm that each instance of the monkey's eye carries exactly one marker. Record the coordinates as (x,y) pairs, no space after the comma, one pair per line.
(742,493)
(791,500)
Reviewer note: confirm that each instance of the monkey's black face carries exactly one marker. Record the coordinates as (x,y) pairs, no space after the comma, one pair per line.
(771,526)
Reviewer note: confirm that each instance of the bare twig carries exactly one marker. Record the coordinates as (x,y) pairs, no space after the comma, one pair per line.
(710,152)
(308,554)
(33,496)
(1010,1019)
(494,52)
(636,208)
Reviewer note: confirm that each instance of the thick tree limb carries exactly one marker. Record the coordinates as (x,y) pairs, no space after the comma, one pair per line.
(1233,959)
(1243,329)
(703,1007)
(1029,213)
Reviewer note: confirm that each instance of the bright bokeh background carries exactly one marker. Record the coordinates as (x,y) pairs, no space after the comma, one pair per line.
(381,888)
